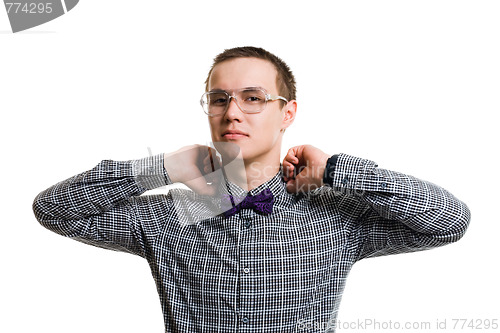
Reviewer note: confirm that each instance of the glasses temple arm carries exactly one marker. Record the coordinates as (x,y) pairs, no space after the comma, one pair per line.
(275,97)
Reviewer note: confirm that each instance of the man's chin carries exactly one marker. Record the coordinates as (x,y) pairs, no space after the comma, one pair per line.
(229,151)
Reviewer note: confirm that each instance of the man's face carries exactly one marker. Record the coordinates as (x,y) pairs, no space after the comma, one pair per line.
(257,135)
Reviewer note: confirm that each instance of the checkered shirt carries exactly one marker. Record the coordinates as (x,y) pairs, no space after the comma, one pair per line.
(283,272)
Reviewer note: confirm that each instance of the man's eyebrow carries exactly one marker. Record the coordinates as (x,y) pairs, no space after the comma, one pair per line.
(218,90)
(251,88)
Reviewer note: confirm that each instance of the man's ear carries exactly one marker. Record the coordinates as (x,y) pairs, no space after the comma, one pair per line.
(290,110)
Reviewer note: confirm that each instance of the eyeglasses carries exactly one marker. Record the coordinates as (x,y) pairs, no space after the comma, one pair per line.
(249,100)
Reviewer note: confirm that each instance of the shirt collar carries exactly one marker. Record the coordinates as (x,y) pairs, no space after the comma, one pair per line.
(276,184)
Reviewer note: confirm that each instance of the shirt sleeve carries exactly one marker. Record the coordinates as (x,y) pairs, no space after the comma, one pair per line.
(402,213)
(98,206)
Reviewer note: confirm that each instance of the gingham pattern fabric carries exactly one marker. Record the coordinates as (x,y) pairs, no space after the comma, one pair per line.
(284,272)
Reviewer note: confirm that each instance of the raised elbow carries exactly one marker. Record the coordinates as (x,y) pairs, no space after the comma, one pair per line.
(456,221)
(48,214)
(463,220)
(41,211)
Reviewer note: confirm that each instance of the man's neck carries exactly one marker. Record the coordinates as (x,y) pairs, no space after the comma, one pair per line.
(252,174)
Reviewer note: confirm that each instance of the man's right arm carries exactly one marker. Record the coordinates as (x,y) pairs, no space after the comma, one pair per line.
(99,206)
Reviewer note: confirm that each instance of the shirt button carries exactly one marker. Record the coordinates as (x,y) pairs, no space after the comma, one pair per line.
(245,320)
(246,270)
(383,185)
(247,224)
(345,180)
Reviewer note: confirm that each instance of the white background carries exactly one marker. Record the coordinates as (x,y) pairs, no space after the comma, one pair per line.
(413,85)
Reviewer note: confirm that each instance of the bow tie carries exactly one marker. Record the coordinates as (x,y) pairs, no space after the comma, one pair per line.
(262,203)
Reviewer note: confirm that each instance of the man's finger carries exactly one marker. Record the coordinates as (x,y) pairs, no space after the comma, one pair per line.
(291,156)
(214,161)
(288,169)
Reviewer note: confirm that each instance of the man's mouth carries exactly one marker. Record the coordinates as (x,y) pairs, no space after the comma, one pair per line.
(234,134)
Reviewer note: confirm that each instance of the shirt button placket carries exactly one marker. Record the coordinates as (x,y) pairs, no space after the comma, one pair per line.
(246,282)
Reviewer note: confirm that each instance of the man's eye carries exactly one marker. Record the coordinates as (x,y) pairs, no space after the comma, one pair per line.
(252,96)
(253,99)
(218,101)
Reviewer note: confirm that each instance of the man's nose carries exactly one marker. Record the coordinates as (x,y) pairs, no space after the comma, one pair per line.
(233,109)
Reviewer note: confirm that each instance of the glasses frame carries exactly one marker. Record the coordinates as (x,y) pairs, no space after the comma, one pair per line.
(268,96)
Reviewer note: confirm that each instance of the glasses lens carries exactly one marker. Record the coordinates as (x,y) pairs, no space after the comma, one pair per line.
(214,102)
(252,100)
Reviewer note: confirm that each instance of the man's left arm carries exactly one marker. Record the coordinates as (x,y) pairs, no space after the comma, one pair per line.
(405,214)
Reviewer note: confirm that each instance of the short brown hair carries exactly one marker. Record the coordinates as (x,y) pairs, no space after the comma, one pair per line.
(285,81)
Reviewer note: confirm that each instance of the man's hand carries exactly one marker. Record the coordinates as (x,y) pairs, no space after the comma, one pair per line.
(193,166)
(303,168)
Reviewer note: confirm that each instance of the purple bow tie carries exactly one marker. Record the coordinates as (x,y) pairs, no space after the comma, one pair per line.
(262,203)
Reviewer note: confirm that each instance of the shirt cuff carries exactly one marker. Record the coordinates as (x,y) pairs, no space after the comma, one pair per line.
(150,172)
(361,175)
(330,170)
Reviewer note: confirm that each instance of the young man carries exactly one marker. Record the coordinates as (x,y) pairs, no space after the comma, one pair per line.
(276,257)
